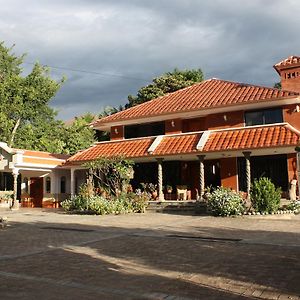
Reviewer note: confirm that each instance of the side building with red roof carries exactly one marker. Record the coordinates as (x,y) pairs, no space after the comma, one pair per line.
(213,133)
(32,178)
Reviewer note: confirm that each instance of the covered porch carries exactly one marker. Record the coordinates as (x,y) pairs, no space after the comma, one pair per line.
(190,162)
(185,178)
(32,178)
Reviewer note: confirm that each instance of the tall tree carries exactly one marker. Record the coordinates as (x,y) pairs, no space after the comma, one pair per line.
(166,83)
(24,111)
(79,135)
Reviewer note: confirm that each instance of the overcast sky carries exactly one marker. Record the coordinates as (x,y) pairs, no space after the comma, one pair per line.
(131,41)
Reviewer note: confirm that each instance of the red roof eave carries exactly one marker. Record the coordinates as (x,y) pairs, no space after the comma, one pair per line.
(232,139)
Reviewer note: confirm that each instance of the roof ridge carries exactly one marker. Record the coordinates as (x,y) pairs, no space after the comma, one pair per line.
(288,60)
(152,100)
(256,85)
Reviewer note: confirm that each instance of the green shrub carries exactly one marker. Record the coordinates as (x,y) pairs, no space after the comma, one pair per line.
(225,202)
(265,197)
(123,203)
(294,206)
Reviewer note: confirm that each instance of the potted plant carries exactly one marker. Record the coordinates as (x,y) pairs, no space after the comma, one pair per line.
(153,190)
(169,189)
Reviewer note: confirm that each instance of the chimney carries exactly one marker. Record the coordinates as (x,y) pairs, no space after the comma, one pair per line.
(289,72)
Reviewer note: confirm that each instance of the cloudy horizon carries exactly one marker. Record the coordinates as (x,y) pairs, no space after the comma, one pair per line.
(127,43)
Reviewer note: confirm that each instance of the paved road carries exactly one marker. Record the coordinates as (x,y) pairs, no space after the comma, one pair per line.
(46,254)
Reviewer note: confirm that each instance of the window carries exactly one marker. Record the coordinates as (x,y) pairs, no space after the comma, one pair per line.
(63,184)
(150,129)
(48,185)
(266,116)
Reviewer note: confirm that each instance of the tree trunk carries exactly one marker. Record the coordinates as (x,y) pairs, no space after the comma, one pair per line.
(11,142)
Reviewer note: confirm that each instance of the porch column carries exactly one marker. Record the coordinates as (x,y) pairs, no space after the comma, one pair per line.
(72,183)
(14,204)
(53,183)
(248,172)
(201,177)
(160,179)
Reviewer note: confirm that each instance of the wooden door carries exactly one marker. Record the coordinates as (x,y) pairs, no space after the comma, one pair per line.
(36,191)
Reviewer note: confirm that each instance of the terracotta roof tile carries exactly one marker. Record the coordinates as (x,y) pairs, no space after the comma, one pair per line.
(222,140)
(128,148)
(207,94)
(289,61)
(252,138)
(178,144)
(42,154)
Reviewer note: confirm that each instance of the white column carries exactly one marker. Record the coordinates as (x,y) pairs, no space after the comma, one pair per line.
(53,183)
(15,204)
(72,184)
(160,179)
(201,176)
(248,172)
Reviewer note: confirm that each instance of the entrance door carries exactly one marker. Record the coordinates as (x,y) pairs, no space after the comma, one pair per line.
(36,191)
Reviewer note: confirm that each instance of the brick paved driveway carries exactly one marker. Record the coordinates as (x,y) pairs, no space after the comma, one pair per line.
(46,254)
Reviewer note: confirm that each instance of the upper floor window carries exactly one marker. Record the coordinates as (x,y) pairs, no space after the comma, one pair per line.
(149,129)
(265,116)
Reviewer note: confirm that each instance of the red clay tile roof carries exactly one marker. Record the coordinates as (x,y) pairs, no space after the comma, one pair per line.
(252,138)
(178,144)
(128,148)
(41,154)
(222,140)
(211,93)
(288,61)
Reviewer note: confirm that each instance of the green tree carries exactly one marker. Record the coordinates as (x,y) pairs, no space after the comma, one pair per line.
(24,112)
(277,85)
(79,135)
(107,111)
(167,83)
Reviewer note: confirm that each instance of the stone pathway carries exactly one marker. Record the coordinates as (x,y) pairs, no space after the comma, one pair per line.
(46,254)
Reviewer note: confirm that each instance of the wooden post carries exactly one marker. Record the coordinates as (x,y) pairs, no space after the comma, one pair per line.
(201,176)
(160,179)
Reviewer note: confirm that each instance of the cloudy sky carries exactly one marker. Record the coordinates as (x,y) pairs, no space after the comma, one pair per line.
(123,44)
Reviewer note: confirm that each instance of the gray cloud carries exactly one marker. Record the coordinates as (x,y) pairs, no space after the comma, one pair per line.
(229,39)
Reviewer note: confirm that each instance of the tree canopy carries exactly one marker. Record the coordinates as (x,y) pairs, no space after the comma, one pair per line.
(26,119)
(78,135)
(24,111)
(167,83)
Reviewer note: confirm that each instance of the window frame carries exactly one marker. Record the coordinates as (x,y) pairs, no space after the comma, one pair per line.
(263,111)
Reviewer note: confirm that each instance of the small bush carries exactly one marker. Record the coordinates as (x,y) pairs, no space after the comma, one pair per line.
(225,202)
(123,203)
(265,197)
(294,206)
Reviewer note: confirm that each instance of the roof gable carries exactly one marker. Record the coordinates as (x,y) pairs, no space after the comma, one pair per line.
(212,93)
